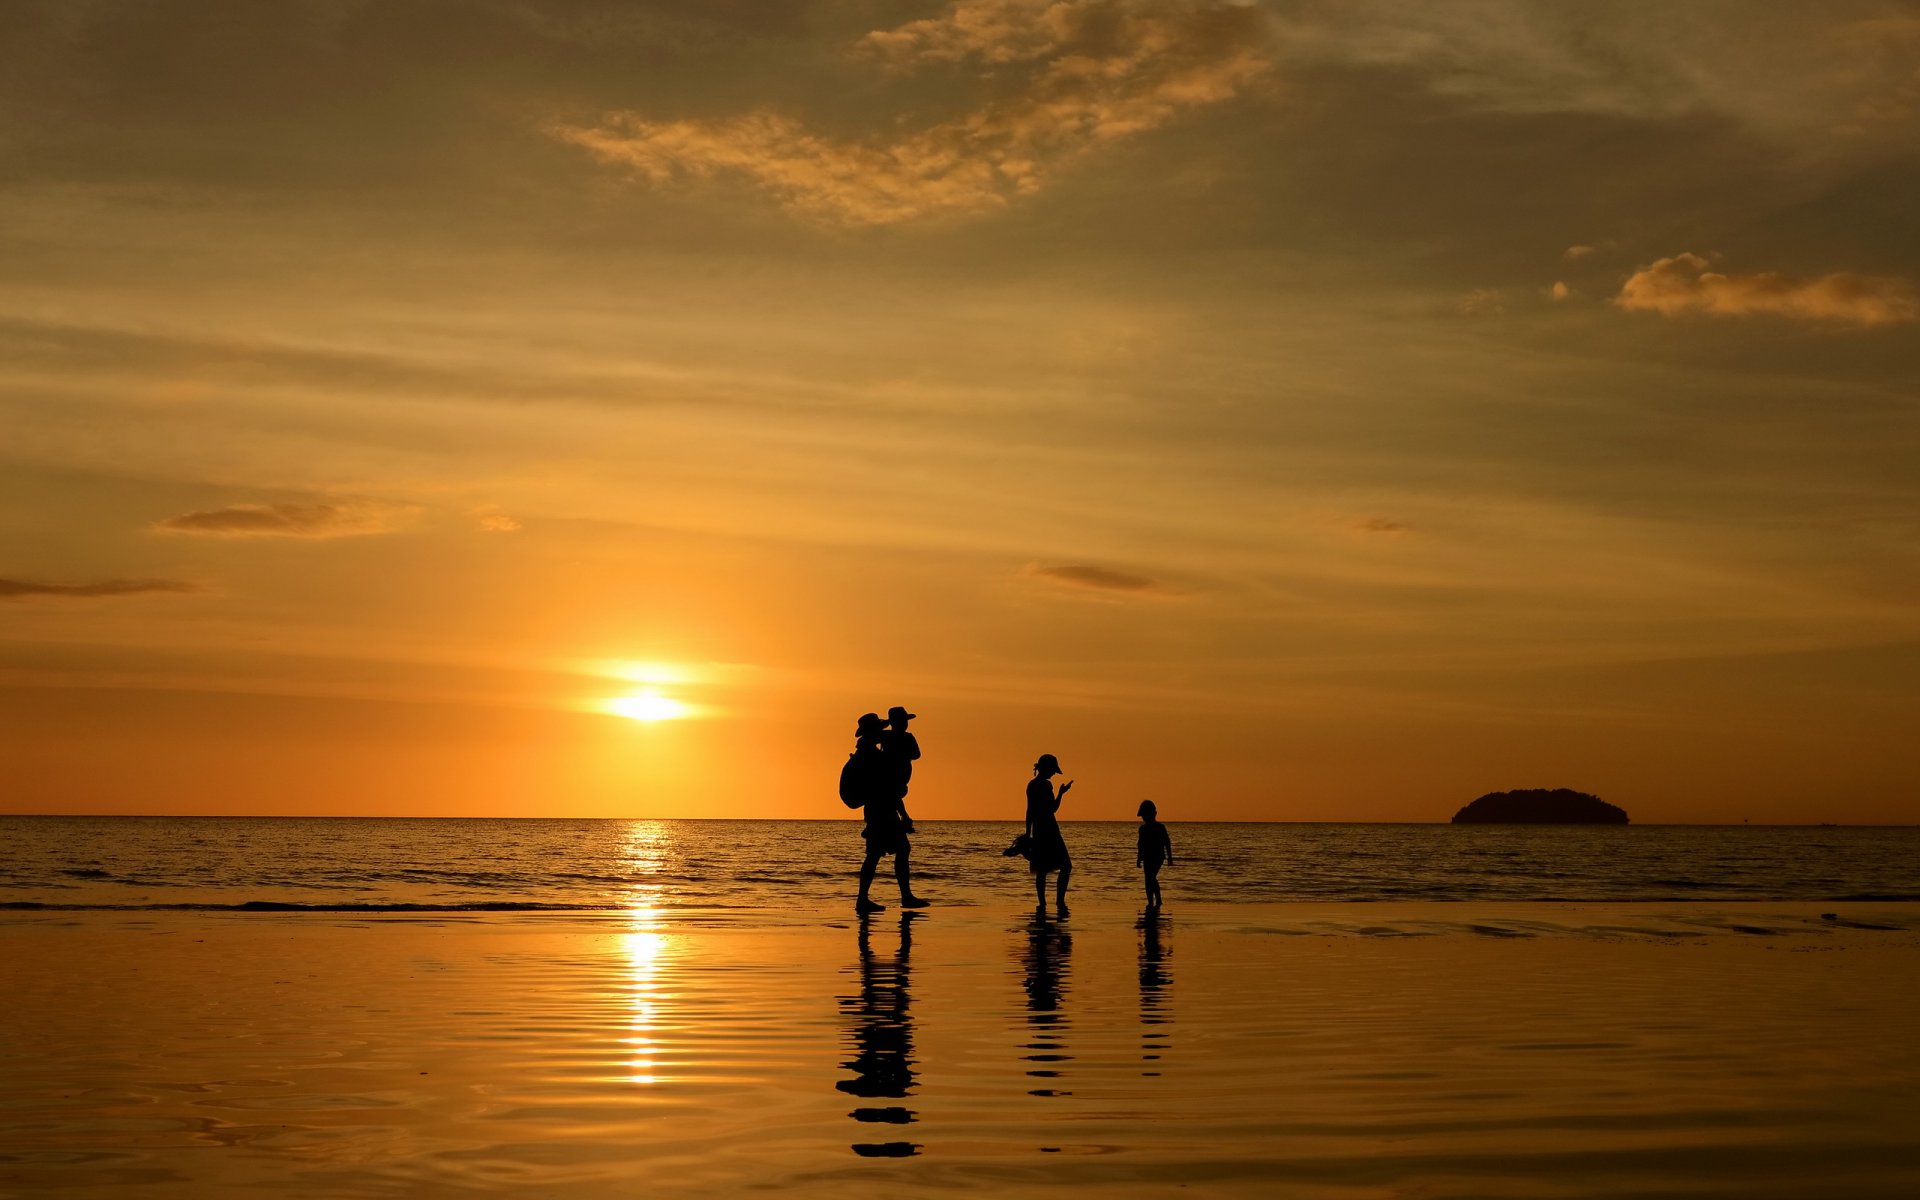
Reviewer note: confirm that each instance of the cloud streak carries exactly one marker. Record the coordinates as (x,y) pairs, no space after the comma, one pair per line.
(279,520)
(16,588)
(1684,285)
(1086,73)
(1089,577)
(1378,526)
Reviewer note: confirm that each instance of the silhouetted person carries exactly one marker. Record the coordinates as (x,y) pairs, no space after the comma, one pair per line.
(880,1034)
(1154,978)
(1047,850)
(902,748)
(887,821)
(1045,960)
(1156,848)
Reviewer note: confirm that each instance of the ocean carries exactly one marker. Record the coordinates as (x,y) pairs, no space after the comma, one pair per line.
(225,1008)
(455,865)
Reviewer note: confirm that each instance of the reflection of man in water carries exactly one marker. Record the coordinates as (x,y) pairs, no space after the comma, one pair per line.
(1045,960)
(886,810)
(881,1036)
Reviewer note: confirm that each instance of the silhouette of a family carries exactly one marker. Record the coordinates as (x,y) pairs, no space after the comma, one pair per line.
(876,779)
(882,769)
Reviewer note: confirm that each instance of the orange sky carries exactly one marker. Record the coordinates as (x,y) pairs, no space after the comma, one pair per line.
(1286,411)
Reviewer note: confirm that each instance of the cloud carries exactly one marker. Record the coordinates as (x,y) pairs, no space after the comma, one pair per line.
(1096,578)
(1087,73)
(280,520)
(1380,526)
(497,523)
(1880,69)
(1559,290)
(1683,284)
(1481,302)
(991,31)
(13,588)
(1576,253)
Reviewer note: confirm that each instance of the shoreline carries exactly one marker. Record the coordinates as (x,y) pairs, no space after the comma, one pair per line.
(1513,918)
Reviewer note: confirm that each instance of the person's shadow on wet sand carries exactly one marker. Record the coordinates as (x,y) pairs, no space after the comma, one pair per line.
(880,1034)
(1044,958)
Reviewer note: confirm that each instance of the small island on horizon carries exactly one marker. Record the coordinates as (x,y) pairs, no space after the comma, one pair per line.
(1540,806)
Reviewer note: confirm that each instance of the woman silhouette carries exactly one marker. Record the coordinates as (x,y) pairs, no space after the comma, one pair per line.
(1049,849)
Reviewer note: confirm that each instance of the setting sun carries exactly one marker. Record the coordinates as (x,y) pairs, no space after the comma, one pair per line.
(647,706)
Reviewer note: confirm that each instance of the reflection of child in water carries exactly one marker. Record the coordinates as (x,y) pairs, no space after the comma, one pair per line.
(1156,848)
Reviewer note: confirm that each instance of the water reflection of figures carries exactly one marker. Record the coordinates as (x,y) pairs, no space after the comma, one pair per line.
(880,1034)
(1155,976)
(1045,961)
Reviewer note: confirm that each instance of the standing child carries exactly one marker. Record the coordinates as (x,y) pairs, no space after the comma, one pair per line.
(1156,848)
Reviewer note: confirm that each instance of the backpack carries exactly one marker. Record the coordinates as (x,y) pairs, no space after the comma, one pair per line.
(856,780)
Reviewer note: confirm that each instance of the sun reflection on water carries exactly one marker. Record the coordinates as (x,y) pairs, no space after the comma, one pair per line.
(645,946)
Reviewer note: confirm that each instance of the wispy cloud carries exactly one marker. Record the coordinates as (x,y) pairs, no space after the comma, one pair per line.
(1379,526)
(281,520)
(1685,284)
(1881,69)
(17,588)
(1094,578)
(1481,302)
(1084,73)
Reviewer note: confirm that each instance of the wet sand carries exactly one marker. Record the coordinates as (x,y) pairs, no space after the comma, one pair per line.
(1444,1050)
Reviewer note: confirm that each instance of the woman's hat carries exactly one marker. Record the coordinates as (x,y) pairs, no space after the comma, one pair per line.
(1047,760)
(870,721)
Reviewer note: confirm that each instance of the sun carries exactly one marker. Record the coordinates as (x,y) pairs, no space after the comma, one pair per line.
(647,705)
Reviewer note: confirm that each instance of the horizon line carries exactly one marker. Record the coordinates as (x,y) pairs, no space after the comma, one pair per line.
(954,820)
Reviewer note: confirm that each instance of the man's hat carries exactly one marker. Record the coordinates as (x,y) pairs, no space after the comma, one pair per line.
(896,713)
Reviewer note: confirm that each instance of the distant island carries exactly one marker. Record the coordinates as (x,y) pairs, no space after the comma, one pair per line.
(1540,806)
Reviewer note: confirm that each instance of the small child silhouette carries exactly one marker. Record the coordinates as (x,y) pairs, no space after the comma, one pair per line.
(1156,849)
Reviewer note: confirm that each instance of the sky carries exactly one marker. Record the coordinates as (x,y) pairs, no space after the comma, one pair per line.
(1287,411)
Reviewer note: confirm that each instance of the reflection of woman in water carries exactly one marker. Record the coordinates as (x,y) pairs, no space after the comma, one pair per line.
(1049,849)
(1045,960)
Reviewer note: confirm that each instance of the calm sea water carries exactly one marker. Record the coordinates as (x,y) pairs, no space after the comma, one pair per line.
(506,865)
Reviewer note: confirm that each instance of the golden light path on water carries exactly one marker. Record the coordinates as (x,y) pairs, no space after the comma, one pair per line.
(644,945)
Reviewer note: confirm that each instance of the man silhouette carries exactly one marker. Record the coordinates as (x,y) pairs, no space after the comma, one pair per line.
(886,811)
